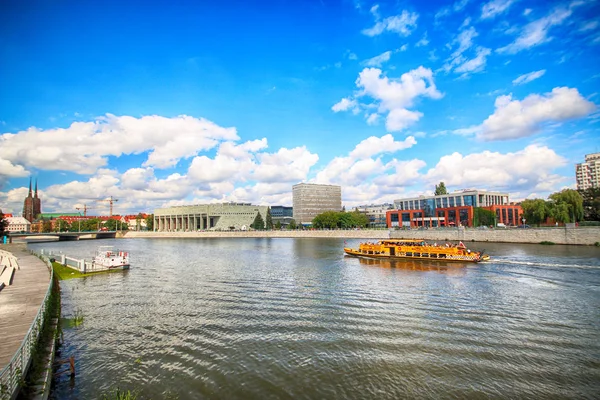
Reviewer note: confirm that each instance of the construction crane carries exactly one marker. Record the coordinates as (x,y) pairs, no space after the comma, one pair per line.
(110,200)
(84,208)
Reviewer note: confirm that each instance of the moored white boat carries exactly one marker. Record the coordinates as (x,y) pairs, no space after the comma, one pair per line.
(108,257)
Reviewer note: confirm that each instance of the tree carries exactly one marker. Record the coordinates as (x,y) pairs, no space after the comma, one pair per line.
(359,219)
(591,204)
(138,222)
(278,225)
(535,211)
(3,225)
(292,225)
(150,222)
(483,217)
(573,200)
(269,221)
(258,223)
(440,189)
(326,220)
(46,226)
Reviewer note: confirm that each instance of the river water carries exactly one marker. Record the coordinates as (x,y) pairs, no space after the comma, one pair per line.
(261,318)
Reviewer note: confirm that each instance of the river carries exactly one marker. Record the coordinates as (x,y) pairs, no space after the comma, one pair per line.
(261,318)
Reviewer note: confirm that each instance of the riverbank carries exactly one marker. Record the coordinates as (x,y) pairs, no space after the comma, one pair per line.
(575,236)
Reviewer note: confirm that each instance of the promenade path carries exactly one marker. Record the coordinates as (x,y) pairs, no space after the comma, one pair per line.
(20,302)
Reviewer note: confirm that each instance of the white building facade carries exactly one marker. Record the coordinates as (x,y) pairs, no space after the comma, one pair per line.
(18,224)
(310,200)
(218,216)
(588,173)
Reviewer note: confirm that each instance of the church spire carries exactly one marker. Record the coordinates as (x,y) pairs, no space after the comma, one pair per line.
(35,188)
(29,186)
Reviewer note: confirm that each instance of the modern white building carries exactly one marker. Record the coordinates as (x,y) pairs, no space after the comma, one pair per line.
(18,224)
(218,216)
(311,199)
(588,172)
(376,213)
(459,198)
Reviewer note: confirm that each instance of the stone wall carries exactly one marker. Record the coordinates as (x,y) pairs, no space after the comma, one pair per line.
(579,235)
(358,234)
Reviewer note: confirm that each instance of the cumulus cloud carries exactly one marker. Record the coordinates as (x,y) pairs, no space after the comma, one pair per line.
(344,105)
(393,96)
(378,60)
(529,168)
(84,147)
(360,164)
(526,78)
(536,32)
(495,7)
(515,119)
(402,24)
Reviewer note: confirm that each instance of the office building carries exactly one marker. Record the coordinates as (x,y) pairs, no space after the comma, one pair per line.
(453,209)
(310,200)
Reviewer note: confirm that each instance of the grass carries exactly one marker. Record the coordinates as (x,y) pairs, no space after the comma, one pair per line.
(547,242)
(65,273)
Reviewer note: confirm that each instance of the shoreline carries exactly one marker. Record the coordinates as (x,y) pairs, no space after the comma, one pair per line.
(586,236)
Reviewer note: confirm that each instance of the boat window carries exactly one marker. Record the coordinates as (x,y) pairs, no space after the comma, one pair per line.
(409,254)
(417,254)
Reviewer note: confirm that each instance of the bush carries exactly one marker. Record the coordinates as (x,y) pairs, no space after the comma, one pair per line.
(547,242)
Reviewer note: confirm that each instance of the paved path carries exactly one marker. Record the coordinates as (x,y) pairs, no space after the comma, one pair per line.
(20,302)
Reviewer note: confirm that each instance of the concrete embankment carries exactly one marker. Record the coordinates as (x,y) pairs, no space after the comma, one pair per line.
(577,236)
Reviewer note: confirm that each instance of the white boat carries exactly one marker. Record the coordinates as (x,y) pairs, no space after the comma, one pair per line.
(108,257)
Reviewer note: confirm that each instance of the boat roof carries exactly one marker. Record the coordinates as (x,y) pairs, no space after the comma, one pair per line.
(403,240)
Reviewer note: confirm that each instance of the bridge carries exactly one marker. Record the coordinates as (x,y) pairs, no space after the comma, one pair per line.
(61,236)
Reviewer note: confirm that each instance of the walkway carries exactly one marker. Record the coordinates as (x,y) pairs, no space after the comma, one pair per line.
(20,302)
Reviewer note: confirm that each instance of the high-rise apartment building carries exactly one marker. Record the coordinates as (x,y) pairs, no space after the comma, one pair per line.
(310,200)
(588,172)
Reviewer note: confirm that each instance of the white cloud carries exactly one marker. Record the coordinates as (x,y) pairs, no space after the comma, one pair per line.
(423,42)
(589,26)
(287,165)
(372,119)
(456,7)
(495,7)
(529,168)
(514,119)
(402,24)
(385,144)
(393,96)
(404,47)
(536,32)
(84,147)
(344,105)
(378,60)
(458,62)
(527,11)
(476,64)
(526,78)
(359,165)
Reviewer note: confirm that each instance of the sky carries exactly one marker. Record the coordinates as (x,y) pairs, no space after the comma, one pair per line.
(191,102)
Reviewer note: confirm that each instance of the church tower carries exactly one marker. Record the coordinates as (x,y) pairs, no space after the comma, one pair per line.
(28,206)
(37,203)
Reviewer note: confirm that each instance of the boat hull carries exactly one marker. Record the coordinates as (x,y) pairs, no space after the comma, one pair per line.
(474,258)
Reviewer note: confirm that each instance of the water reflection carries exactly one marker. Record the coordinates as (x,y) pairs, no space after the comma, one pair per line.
(415,265)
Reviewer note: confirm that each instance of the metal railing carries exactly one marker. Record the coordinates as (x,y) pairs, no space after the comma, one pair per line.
(13,375)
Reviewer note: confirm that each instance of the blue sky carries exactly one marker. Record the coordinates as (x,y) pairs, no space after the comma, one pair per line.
(172,103)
